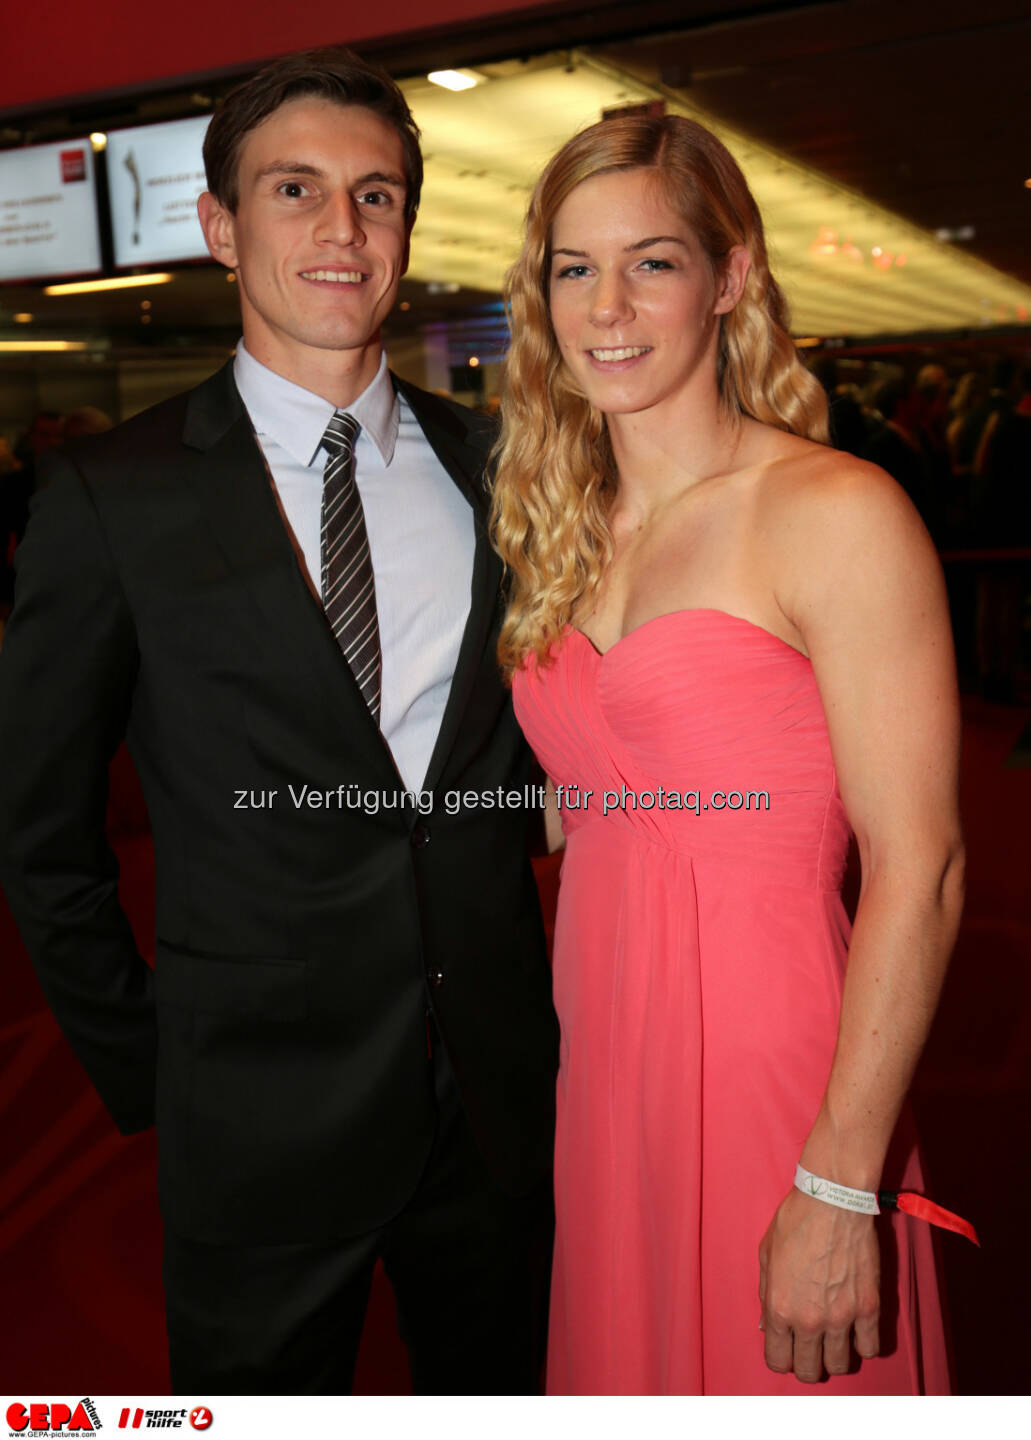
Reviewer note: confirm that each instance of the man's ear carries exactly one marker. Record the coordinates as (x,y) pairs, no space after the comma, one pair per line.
(732,279)
(219,230)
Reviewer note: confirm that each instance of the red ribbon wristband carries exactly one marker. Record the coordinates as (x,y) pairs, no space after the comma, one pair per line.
(923,1209)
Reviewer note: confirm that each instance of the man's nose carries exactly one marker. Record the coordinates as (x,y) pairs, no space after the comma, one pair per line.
(339,222)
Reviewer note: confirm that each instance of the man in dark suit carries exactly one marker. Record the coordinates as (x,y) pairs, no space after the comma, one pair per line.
(279,588)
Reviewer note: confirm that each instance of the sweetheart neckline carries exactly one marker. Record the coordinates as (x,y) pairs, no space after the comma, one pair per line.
(676,615)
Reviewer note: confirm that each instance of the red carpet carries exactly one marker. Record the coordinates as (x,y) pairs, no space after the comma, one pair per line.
(80,1233)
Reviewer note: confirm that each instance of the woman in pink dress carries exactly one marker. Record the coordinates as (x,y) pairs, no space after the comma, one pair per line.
(730,649)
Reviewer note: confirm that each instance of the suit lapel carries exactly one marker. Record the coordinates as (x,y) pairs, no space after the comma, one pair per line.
(228,473)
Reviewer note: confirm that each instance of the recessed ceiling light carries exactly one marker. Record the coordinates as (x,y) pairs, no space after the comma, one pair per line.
(456,79)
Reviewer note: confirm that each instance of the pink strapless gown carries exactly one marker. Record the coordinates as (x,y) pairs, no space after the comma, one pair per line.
(698,971)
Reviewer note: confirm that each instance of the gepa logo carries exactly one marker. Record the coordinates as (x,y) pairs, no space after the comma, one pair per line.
(41,1417)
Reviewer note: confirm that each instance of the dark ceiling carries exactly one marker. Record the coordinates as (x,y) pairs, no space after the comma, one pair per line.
(923,107)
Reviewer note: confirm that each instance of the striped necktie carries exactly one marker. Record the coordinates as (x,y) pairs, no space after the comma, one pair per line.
(348,584)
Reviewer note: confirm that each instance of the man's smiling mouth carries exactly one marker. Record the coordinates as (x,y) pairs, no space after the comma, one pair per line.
(350,277)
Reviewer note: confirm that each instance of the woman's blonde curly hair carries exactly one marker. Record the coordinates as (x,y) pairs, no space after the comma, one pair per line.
(554,470)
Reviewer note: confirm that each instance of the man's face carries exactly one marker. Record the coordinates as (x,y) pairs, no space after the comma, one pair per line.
(319,239)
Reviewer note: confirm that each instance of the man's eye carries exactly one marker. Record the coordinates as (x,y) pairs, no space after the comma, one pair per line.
(374,197)
(292,189)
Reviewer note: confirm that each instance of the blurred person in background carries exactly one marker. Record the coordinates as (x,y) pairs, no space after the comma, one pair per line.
(896,449)
(45,433)
(1002,519)
(849,426)
(1001,458)
(1023,405)
(1004,378)
(87,420)
(925,414)
(970,410)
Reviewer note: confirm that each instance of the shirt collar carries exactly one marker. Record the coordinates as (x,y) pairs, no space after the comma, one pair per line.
(296,419)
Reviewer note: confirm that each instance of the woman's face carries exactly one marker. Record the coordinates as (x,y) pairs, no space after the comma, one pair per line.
(634,301)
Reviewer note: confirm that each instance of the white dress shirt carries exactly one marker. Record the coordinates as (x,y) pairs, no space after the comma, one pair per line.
(421,537)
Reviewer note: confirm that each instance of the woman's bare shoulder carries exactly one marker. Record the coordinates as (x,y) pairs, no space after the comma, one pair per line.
(811,488)
(838,533)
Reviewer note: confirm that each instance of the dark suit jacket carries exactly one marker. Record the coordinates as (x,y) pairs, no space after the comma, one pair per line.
(281,1041)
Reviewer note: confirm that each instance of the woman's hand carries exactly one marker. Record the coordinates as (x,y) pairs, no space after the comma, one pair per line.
(819,1279)
(553,831)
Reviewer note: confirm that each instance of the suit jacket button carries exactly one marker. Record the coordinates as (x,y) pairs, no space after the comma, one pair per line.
(435,977)
(420,837)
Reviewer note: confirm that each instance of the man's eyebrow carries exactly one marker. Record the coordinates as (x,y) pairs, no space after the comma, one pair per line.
(299,167)
(381,177)
(288,167)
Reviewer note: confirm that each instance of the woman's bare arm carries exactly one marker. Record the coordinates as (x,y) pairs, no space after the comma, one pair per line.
(864,589)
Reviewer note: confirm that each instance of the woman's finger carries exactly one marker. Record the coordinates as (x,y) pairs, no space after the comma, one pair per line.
(808,1357)
(868,1338)
(777,1347)
(837,1352)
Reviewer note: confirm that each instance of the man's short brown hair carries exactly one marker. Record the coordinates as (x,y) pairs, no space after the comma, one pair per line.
(331,73)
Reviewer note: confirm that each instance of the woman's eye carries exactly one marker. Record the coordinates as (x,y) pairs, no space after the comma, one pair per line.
(572,272)
(653,264)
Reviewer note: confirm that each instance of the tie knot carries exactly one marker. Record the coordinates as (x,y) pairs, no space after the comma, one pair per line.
(341,433)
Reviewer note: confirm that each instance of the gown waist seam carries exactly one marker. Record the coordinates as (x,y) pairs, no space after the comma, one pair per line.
(655,842)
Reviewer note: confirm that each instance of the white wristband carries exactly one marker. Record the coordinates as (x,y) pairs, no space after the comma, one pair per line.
(864,1202)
